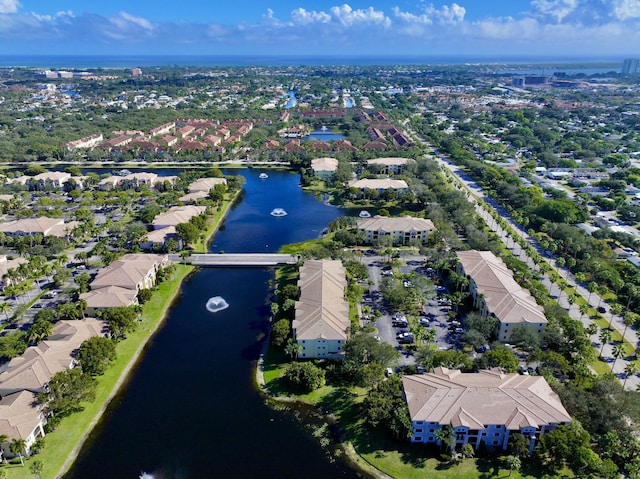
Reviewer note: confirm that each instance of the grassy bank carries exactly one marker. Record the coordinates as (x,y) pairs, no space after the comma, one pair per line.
(63,445)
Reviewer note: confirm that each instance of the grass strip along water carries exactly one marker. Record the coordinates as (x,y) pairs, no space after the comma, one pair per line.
(63,445)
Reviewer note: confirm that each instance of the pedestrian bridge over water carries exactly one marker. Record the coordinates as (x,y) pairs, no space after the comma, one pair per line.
(235,259)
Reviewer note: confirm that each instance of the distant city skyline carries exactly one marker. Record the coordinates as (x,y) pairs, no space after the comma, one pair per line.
(375,27)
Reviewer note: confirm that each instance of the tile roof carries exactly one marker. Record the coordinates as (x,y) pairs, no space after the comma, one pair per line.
(379,183)
(402,223)
(19,415)
(505,298)
(476,400)
(35,367)
(324,164)
(322,311)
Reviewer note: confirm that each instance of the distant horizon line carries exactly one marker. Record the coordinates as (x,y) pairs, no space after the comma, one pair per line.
(128,60)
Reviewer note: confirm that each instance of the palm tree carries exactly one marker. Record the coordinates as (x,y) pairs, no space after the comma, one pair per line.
(293,348)
(5,308)
(446,437)
(619,351)
(628,319)
(3,439)
(630,370)
(593,287)
(17,447)
(513,462)
(584,309)
(592,329)
(605,336)
(614,310)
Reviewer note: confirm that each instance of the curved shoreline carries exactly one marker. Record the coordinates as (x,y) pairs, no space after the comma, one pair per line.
(124,377)
(353,458)
(137,355)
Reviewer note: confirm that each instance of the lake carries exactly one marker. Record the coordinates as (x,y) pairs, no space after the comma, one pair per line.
(191,408)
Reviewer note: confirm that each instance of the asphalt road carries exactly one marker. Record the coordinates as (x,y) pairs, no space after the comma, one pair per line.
(484,206)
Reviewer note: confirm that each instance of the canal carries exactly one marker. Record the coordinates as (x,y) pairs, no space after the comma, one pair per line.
(191,410)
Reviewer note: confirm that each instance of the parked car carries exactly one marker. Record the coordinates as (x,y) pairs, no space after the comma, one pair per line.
(407,338)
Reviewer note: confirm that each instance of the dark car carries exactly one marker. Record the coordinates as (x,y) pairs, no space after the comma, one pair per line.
(601,309)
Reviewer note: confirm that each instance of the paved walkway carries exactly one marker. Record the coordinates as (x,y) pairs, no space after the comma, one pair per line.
(484,205)
(235,260)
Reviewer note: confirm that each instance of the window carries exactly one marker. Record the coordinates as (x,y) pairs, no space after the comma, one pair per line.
(418,430)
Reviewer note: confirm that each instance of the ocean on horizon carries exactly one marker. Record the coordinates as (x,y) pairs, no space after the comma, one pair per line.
(130,61)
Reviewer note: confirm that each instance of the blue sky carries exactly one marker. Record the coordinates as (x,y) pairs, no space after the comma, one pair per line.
(600,28)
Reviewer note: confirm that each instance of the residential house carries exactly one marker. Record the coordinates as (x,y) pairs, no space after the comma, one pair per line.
(496,293)
(109,297)
(86,142)
(484,408)
(321,325)
(160,237)
(194,197)
(403,230)
(324,168)
(21,417)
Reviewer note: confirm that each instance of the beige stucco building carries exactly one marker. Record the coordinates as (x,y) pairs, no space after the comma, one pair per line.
(496,293)
(403,230)
(391,165)
(321,325)
(324,168)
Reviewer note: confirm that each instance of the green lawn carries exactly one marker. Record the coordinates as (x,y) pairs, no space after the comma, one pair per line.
(60,445)
(374,450)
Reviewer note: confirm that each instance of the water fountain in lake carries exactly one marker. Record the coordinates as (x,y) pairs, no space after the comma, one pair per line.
(278,212)
(215,304)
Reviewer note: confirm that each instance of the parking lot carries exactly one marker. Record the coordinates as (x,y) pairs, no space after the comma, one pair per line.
(393,326)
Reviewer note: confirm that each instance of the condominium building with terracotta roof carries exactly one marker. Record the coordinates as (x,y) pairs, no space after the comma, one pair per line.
(495,292)
(321,325)
(484,408)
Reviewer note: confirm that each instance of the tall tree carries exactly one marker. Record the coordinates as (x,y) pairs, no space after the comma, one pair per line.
(18,447)
(95,354)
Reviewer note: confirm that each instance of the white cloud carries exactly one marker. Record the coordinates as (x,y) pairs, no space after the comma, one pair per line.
(9,6)
(301,16)
(626,9)
(125,26)
(408,17)
(448,15)
(554,26)
(556,9)
(347,16)
(445,15)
